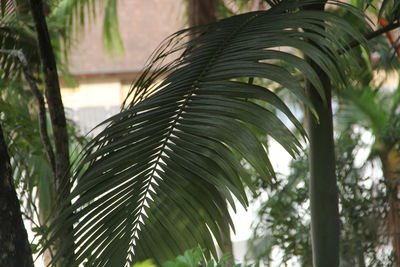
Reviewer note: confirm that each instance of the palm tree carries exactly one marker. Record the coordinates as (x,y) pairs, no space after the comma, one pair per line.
(323,181)
(284,222)
(18,51)
(173,152)
(15,249)
(74,15)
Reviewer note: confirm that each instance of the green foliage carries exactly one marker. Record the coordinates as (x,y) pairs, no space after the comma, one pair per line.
(284,219)
(191,258)
(15,34)
(146,263)
(390,9)
(31,169)
(29,162)
(194,258)
(374,109)
(74,14)
(156,180)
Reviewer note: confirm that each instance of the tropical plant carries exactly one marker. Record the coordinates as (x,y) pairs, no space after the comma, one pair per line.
(173,151)
(195,257)
(323,185)
(283,221)
(30,166)
(191,258)
(21,53)
(76,14)
(377,111)
(361,76)
(16,250)
(370,106)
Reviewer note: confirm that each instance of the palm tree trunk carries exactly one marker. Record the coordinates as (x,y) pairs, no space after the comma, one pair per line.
(323,187)
(391,170)
(15,250)
(57,115)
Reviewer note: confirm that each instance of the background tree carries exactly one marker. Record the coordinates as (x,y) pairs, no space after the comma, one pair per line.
(369,105)
(377,111)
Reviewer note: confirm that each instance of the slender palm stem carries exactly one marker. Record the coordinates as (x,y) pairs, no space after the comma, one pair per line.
(323,187)
(323,183)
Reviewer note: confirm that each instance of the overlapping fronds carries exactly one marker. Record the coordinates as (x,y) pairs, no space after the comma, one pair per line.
(158,178)
(74,14)
(391,9)
(373,108)
(14,35)
(362,108)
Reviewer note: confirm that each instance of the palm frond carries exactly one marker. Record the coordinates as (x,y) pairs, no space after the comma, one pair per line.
(15,35)
(362,106)
(391,10)
(156,180)
(74,14)
(6,7)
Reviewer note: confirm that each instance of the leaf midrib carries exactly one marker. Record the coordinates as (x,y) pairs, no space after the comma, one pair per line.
(194,87)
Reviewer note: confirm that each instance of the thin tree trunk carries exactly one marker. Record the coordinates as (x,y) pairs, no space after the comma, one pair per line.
(57,115)
(201,12)
(53,96)
(15,250)
(323,184)
(391,170)
(41,105)
(323,187)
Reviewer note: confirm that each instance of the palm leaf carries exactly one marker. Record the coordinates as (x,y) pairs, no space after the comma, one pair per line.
(391,8)
(74,14)
(156,180)
(15,34)
(6,7)
(364,106)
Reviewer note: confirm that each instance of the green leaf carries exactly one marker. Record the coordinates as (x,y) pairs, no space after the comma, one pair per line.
(73,14)
(146,263)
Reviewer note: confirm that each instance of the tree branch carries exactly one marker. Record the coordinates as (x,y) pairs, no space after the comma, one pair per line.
(40,101)
(373,34)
